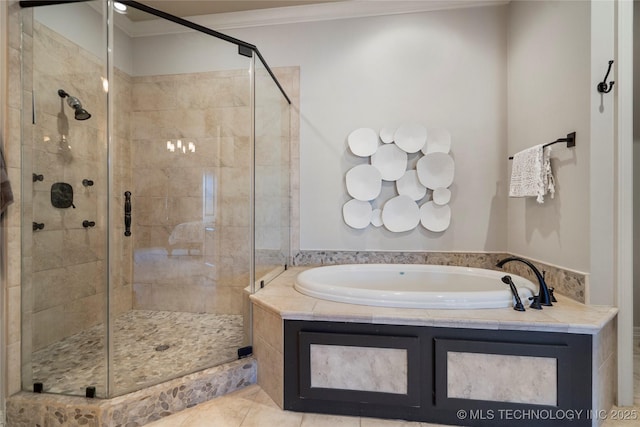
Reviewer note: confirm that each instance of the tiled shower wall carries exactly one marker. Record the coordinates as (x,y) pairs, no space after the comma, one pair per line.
(87,249)
(12,220)
(212,110)
(205,270)
(66,282)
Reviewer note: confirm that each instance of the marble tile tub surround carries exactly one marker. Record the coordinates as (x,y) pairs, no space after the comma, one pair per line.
(280,301)
(569,283)
(134,409)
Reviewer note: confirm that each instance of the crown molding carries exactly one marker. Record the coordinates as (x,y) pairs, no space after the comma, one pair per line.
(300,14)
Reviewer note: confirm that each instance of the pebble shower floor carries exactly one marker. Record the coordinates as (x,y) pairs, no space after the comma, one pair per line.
(149,347)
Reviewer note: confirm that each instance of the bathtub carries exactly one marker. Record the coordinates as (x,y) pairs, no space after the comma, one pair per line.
(413,286)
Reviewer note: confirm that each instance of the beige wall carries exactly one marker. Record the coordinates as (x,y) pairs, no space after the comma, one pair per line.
(558,52)
(548,97)
(443,68)
(3,241)
(636,164)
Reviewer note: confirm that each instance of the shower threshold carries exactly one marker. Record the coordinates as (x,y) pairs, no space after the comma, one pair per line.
(133,409)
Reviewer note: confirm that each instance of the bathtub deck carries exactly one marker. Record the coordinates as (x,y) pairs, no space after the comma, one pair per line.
(565,316)
(278,304)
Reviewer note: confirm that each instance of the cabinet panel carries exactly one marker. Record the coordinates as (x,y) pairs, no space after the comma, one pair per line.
(500,372)
(359,368)
(491,377)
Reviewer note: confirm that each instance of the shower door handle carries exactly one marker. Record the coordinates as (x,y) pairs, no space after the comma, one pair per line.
(127,213)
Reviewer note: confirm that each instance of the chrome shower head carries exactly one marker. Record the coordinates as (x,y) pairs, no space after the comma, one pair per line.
(80,113)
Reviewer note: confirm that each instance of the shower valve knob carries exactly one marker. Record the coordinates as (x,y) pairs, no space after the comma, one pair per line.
(87,182)
(87,223)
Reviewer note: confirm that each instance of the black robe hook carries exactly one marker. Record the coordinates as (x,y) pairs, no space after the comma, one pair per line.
(602,86)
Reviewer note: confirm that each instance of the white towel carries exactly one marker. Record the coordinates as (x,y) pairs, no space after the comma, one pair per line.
(531,174)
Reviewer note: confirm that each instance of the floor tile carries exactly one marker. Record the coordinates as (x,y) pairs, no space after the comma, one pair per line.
(323,420)
(252,407)
(148,346)
(262,415)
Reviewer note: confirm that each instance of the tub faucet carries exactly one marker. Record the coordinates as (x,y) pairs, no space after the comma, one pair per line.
(544,296)
(518,302)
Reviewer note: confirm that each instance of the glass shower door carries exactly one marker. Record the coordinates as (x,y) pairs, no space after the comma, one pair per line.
(272,169)
(64,155)
(181,145)
(158,190)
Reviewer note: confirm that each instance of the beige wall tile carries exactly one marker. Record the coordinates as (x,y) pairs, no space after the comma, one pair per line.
(13,373)
(268,326)
(271,370)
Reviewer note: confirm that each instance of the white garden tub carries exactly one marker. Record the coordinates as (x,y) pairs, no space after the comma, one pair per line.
(413,286)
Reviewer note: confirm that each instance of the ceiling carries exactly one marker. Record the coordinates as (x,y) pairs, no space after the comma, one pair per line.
(183,8)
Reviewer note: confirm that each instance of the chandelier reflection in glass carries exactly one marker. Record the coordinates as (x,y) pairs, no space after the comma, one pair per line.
(181,147)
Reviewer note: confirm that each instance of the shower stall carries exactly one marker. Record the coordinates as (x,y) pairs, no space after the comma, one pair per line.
(156,179)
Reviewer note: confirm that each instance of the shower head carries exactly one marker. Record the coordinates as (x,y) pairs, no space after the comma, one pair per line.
(80,113)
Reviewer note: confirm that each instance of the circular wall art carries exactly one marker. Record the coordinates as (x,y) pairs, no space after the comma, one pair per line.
(435,170)
(423,193)
(400,213)
(386,135)
(411,137)
(439,142)
(409,185)
(376,218)
(364,182)
(391,161)
(363,142)
(356,213)
(434,217)
(441,196)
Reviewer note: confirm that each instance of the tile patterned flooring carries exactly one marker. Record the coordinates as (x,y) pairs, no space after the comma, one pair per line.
(252,407)
(193,341)
(139,332)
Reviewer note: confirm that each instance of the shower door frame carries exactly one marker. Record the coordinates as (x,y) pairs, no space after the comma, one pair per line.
(245,49)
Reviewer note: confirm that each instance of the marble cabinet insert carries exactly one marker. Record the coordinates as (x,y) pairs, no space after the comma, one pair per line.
(448,370)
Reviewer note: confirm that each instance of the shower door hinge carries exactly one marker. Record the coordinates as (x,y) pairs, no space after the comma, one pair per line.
(245,351)
(245,51)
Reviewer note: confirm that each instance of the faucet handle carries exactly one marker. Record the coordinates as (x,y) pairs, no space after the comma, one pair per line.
(535,302)
(553,299)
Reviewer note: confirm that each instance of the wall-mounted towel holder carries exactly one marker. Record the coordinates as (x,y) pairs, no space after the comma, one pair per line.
(602,86)
(570,140)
